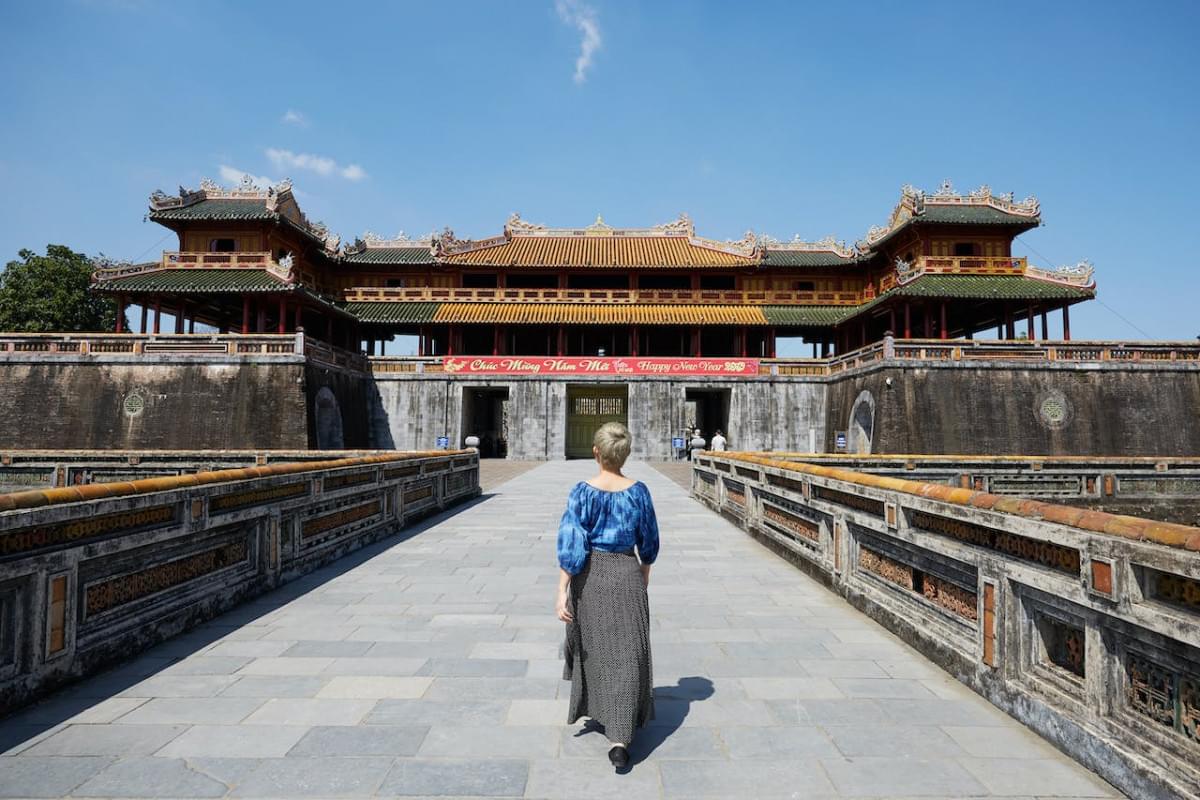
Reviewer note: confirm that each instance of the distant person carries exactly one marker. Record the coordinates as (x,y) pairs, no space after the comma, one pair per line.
(695,443)
(718,442)
(602,595)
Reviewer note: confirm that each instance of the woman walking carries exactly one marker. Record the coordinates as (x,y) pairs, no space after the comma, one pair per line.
(602,595)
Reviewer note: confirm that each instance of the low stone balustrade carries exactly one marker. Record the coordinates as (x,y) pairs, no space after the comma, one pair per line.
(91,574)
(1084,625)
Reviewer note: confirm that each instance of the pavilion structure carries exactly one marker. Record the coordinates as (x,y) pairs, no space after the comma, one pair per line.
(248,260)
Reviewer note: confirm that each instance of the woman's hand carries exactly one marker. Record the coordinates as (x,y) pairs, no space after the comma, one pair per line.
(561,607)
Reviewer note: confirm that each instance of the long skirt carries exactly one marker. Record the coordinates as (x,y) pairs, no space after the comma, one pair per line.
(607,649)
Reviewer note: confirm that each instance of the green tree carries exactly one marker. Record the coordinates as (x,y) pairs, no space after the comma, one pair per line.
(51,294)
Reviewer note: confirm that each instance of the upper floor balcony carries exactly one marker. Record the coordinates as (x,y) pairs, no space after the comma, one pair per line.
(172,259)
(601,296)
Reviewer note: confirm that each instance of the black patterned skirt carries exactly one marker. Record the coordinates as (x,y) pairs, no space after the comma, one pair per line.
(607,649)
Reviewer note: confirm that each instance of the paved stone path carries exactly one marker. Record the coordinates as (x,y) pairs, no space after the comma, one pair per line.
(427,666)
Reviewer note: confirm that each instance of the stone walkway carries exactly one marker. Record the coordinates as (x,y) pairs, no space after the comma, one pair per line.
(427,666)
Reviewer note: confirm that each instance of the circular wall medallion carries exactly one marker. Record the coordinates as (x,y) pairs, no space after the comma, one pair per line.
(134,404)
(1054,410)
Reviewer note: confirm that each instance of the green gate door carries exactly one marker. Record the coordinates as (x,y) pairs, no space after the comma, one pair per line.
(589,407)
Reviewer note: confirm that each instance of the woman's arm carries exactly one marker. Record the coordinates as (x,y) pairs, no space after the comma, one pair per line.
(564,586)
(646,574)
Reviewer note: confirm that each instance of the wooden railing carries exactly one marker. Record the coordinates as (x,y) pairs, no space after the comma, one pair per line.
(588,296)
(197,260)
(1083,625)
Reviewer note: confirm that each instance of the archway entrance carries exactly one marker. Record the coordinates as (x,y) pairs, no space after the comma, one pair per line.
(485,414)
(708,410)
(589,407)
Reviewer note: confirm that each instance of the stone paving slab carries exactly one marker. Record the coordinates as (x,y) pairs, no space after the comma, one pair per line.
(427,666)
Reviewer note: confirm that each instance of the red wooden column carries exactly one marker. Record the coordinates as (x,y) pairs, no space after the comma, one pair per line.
(634,335)
(245,313)
(1045,327)
(450,340)
(928,320)
(1029,322)
(495,340)
(1066,324)
(282,313)
(697,349)
(145,312)
(742,335)
(299,316)
(562,340)
(945,333)
(772,335)
(907,320)
(121,314)
(179,318)
(260,322)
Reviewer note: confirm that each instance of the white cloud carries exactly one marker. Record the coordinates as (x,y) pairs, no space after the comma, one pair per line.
(293,117)
(233,176)
(287,160)
(582,17)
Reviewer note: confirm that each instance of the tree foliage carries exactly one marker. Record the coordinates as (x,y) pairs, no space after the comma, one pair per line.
(51,293)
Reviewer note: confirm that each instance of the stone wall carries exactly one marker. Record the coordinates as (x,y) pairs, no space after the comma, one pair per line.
(411,411)
(1084,626)
(91,575)
(162,402)
(1111,409)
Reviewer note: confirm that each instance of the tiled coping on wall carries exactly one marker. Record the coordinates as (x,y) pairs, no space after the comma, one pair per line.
(1084,625)
(92,574)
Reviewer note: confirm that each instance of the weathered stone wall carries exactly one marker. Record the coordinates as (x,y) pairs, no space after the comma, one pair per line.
(351,392)
(1111,409)
(411,411)
(90,576)
(1084,626)
(159,402)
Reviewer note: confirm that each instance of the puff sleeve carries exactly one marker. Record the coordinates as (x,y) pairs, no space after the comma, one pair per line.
(572,536)
(647,529)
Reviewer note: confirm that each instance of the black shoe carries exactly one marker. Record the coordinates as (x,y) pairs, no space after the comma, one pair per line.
(619,756)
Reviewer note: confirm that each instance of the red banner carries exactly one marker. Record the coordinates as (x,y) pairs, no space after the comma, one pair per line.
(583,365)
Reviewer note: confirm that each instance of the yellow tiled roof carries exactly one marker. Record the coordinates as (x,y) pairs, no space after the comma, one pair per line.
(599,251)
(579,314)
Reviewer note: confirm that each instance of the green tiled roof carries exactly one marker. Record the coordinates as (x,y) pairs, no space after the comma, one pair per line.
(972,215)
(393,313)
(198,280)
(391,255)
(963,215)
(217,209)
(807,315)
(991,287)
(801,258)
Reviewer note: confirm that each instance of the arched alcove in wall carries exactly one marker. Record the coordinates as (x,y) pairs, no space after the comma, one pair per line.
(327,415)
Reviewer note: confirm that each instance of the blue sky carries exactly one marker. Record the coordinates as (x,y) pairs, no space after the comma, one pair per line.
(780,117)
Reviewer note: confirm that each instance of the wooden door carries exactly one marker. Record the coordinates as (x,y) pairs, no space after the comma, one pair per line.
(589,407)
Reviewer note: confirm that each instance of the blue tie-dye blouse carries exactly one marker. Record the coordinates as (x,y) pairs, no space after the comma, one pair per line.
(609,521)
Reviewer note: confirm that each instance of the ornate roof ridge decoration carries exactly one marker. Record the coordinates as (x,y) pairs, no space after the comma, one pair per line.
(913,202)
(246,189)
(1079,274)
(681,228)
(798,245)
(373,241)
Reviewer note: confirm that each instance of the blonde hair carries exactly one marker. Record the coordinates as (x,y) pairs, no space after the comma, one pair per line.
(612,440)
